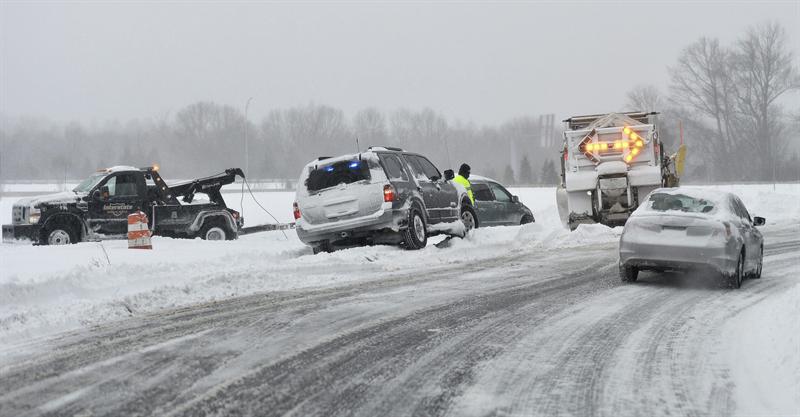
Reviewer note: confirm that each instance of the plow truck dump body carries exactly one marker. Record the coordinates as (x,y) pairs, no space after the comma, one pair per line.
(609,163)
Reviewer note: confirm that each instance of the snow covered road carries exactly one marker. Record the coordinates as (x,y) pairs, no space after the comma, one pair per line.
(543,332)
(535,323)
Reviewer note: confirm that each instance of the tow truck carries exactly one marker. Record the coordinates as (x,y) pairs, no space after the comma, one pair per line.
(609,163)
(98,208)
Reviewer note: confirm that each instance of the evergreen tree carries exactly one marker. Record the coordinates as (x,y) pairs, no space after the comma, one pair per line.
(508,176)
(549,176)
(526,175)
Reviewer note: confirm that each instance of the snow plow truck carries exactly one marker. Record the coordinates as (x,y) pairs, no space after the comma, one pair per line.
(609,163)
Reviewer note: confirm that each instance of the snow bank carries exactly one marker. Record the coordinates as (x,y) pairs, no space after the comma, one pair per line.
(47,289)
(765,356)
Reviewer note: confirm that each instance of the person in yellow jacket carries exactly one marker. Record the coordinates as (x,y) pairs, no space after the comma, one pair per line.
(463,179)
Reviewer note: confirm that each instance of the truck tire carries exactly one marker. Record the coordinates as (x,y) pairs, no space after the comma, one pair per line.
(415,236)
(60,232)
(216,230)
(628,273)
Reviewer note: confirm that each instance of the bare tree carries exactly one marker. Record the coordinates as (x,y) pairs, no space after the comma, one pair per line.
(369,125)
(702,87)
(645,98)
(763,72)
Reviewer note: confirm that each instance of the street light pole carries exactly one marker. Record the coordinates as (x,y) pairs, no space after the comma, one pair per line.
(246,153)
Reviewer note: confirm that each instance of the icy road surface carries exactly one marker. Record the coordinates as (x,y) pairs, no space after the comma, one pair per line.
(536,322)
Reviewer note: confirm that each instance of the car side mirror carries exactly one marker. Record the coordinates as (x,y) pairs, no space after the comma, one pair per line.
(96,195)
(103,193)
(759,221)
(449,175)
(514,199)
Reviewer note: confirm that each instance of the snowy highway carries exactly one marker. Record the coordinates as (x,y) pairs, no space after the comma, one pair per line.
(541,326)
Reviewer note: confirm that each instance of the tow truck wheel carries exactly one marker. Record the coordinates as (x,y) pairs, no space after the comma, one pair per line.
(60,234)
(215,231)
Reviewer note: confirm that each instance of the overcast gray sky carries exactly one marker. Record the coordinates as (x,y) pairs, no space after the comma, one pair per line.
(471,61)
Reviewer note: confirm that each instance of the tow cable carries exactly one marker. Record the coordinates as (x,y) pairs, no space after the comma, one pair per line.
(241,204)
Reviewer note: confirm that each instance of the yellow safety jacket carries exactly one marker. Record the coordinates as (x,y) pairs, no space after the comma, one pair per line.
(465,182)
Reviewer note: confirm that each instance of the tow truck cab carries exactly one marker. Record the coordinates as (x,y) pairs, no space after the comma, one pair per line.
(99,206)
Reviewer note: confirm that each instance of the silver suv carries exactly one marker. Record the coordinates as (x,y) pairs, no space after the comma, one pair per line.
(380,196)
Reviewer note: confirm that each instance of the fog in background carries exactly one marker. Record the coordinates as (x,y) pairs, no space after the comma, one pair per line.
(89,85)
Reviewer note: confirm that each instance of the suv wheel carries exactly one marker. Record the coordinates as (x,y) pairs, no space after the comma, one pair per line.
(416,234)
(324,246)
(628,273)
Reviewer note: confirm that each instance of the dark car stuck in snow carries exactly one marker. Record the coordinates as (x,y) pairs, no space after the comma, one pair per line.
(496,206)
(99,206)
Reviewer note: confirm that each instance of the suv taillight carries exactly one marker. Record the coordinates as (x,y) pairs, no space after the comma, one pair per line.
(388,193)
(296,211)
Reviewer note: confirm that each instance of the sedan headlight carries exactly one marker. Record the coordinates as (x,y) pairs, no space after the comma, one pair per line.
(34,215)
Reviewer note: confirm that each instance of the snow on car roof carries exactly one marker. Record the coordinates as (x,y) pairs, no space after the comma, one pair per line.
(482,179)
(714,196)
(118,168)
(326,161)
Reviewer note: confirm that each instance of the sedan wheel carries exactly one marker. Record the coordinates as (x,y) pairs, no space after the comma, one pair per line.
(738,276)
(468,218)
(757,274)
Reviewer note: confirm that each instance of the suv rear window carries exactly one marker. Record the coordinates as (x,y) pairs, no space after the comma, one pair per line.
(342,172)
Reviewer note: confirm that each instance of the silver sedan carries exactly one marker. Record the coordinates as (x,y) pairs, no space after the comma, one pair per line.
(684,228)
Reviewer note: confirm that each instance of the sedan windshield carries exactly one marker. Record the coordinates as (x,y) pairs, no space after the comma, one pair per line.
(680,202)
(86,185)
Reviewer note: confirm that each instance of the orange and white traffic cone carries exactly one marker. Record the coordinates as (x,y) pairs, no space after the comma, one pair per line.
(138,233)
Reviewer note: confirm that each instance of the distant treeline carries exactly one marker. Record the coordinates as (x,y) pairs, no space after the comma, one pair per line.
(205,137)
(736,105)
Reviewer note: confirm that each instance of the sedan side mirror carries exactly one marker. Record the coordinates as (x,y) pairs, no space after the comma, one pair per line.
(759,221)
(448,174)
(514,199)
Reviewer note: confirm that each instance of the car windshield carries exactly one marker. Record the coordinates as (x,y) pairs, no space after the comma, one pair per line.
(86,185)
(342,172)
(680,202)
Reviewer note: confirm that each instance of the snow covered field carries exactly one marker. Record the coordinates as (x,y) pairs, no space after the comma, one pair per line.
(44,290)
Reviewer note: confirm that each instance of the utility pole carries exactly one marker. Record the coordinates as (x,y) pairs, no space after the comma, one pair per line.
(246,152)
